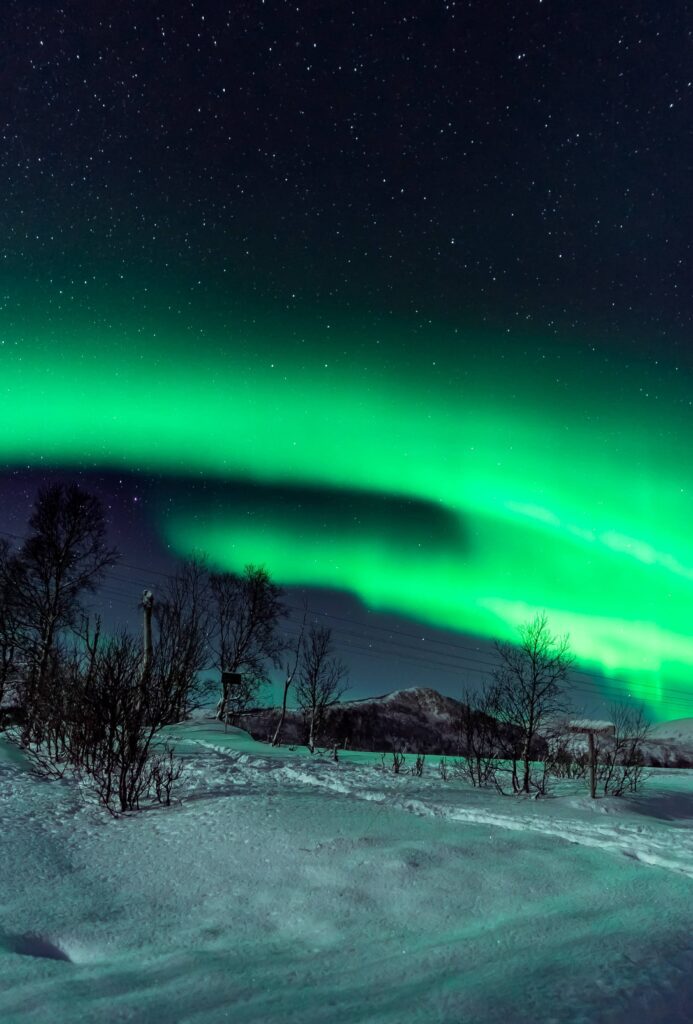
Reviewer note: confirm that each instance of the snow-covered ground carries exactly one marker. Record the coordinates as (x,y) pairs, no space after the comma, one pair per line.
(289,888)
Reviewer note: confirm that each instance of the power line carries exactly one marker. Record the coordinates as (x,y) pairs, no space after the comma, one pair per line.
(462,647)
(456,645)
(378,649)
(607,690)
(595,685)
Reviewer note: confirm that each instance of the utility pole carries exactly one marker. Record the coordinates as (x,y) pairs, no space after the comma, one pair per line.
(147,605)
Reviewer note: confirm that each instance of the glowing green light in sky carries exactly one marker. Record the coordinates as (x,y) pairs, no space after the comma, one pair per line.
(570,498)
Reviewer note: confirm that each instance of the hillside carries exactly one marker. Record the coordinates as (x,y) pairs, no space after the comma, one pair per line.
(671,744)
(417,719)
(422,720)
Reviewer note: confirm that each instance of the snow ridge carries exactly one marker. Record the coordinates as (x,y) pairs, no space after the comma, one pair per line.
(672,851)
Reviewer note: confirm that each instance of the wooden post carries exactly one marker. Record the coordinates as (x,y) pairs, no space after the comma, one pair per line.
(147,605)
(228,681)
(590,728)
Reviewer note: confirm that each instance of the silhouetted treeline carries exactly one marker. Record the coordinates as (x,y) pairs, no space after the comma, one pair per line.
(78,700)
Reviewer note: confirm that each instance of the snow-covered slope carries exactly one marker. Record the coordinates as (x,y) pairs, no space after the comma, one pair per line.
(671,743)
(680,730)
(290,889)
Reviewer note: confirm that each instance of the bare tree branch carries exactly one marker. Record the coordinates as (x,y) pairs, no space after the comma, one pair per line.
(246,610)
(528,690)
(321,680)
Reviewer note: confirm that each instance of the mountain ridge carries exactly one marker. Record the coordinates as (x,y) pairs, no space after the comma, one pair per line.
(420,719)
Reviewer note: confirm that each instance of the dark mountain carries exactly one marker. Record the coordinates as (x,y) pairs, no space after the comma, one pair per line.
(421,720)
(416,720)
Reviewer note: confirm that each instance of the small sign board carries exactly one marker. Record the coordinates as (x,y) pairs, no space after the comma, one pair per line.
(589,725)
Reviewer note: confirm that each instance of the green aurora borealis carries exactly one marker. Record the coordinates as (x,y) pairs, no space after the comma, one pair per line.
(564,488)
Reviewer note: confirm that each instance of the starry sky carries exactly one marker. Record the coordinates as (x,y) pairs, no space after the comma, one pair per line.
(393,298)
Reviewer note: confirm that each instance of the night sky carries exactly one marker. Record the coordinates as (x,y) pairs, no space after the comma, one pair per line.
(392,298)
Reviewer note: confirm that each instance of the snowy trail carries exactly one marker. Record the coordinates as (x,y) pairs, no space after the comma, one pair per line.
(670,849)
(628,840)
(286,889)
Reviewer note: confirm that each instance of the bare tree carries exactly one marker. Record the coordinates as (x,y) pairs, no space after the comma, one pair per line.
(479,737)
(246,610)
(107,706)
(184,626)
(565,756)
(60,736)
(106,726)
(399,759)
(527,690)
(9,631)
(289,673)
(622,761)
(63,559)
(321,680)
(119,718)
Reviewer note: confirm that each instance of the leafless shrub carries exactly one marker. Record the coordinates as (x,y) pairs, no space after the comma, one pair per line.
(121,719)
(480,737)
(621,764)
(396,764)
(42,587)
(443,769)
(526,691)
(563,758)
(563,763)
(418,768)
(165,772)
(290,669)
(484,774)
(102,724)
(184,624)
(321,680)
(51,730)
(10,637)
(246,609)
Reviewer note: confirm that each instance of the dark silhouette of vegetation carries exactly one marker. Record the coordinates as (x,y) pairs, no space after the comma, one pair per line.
(43,586)
(9,631)
(479,737)
(95,707)
(321,681)
(290,670)
(184,624)
(246,609)
(621,761)
(527,691)
(399,759)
